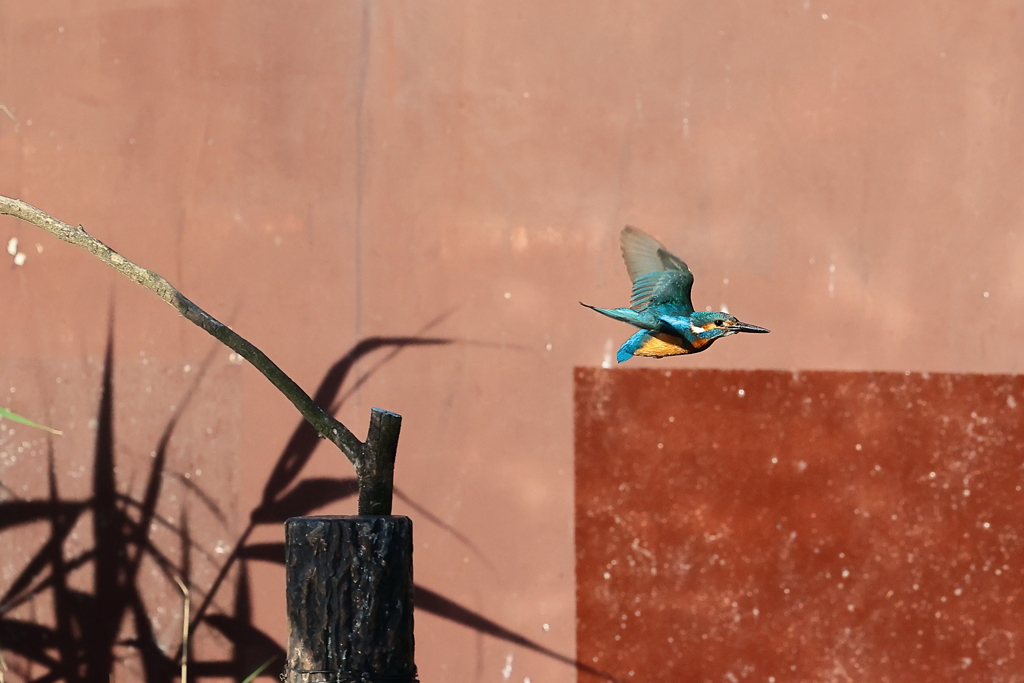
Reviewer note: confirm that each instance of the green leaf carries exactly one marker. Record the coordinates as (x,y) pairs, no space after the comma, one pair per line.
(251,677)
(14,417)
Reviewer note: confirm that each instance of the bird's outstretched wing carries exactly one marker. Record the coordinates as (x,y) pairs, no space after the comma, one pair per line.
(658,275)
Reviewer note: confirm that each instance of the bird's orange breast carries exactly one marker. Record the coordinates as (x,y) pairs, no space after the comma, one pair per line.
(662,344)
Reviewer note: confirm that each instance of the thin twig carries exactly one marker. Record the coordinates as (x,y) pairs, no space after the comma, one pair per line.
(324,423)
(184,628)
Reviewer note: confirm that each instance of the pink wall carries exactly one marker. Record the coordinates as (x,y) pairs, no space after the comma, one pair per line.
(317,173)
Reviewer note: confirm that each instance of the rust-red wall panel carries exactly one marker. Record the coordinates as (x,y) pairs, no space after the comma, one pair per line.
(765,525)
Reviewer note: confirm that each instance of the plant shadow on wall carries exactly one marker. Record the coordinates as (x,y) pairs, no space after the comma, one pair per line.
(92,632)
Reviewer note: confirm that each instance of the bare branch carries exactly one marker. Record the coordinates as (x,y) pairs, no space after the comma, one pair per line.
(324,423)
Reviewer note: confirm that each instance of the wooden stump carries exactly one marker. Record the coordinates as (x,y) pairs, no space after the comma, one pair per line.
(349,589)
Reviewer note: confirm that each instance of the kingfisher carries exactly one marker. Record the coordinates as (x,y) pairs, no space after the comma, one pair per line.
(660,305)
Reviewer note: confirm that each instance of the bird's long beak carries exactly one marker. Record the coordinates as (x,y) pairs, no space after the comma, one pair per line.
(747,327)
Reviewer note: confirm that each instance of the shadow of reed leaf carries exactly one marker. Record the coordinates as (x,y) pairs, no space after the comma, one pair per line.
(46,558)
(306,496)
(86,640)
(32,641)
(65,598)
(257,645)
(113,575)
(158,667)
(304,439)
(17,512)
(33,578)
(438,605)
(252,647)
(455,533)
(263,552)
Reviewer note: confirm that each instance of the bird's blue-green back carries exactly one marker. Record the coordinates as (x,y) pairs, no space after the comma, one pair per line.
(660,278)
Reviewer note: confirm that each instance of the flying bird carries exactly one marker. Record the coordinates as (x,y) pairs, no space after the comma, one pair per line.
(660,305)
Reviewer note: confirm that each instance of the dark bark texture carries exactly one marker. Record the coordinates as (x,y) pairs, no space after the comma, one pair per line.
(349,590)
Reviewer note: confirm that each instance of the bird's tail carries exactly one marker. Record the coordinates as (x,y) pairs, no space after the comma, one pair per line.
(626,315)
(630,346)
